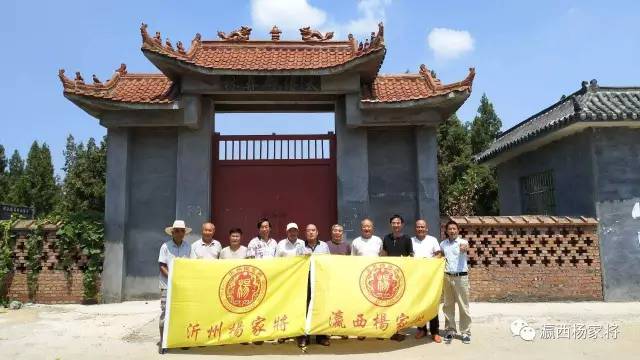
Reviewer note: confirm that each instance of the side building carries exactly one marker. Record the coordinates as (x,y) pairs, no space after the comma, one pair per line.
(580,157)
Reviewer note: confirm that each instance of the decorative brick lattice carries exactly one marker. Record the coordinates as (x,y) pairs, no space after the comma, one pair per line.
(50,256)
(532,257)
(54,285)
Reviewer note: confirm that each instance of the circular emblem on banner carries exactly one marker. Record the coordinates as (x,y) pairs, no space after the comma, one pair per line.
(242,289)
(382,283)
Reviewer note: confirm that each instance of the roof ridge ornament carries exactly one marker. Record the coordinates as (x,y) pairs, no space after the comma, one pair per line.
(432,82)
(310,35)
(376,41)
(78,84)
(168,45)
(435,84)
(79,79)
(275,33)
(180,48)
(155,43)
(241,34)
(122,70)
(66,82)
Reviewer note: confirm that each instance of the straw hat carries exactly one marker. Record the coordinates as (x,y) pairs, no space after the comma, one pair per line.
(178,224)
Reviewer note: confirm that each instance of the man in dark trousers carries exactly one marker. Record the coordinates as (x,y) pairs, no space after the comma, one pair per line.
(397,244)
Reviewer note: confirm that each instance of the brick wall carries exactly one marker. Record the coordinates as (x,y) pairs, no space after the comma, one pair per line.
(54,286)
(532,258)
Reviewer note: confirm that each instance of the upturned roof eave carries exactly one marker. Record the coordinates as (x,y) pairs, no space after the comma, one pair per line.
(95,106)
(453,98)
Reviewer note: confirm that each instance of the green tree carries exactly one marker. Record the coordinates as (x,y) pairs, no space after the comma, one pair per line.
(42,191)
(457,194)
(467,188)
(484,129)
(4,181)
(17,183)
(84,183)
(485,126)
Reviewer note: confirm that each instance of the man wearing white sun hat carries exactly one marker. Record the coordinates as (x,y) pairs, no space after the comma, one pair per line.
(292,246)
(174,248)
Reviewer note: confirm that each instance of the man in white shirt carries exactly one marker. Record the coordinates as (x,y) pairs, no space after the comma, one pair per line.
(366,244)
(234,250)
(262,246)
(426,246)
(174,248)
(207,247)
(456,283)
(291,246)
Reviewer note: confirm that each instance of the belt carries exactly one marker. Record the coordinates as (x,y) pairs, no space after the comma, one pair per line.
(457,273)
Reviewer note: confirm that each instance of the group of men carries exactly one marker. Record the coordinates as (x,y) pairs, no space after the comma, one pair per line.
(453,248)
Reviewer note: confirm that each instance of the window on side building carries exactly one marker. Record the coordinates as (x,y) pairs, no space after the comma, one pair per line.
(537,194)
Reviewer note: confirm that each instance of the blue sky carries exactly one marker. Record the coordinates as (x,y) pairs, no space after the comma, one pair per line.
(526,54)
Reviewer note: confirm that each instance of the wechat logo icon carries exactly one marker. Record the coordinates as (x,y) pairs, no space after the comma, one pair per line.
(520,328)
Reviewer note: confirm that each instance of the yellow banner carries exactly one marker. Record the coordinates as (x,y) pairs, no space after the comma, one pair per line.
(235,301)
(369,296)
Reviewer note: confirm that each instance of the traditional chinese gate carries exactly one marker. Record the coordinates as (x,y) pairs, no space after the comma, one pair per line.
(286,178)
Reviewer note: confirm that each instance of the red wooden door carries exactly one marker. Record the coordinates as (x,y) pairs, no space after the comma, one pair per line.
(286,178)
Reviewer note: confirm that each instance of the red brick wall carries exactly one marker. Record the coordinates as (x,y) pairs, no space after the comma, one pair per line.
(532,258)
(54,286)
(517,258)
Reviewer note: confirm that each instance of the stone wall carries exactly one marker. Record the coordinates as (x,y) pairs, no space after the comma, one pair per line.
(54,286)
(532,258)
(616,159)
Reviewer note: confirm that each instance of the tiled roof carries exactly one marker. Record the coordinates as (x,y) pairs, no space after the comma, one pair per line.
(123,87)
(236,53)
(273,55)
(591,103)
(407,87)
(523,220)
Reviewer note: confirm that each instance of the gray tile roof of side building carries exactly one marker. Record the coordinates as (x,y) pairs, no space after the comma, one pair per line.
(592,103)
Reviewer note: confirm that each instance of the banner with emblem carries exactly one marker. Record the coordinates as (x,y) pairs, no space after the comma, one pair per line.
(372,296)
(235,301)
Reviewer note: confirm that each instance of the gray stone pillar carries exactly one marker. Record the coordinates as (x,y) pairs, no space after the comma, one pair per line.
(427,177)
(116,214)
(193,168)
(352,169)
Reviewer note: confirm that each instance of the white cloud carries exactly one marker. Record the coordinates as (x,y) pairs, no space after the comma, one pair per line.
(449,43)
(290,15)
(371,13)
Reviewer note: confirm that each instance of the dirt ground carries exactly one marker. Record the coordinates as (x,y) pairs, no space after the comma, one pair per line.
(129,331)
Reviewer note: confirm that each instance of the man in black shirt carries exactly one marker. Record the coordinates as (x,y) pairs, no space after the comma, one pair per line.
(397,244)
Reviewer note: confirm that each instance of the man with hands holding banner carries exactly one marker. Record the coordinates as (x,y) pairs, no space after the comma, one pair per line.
(251,300)
(176,247)
(426,246)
